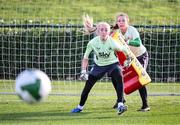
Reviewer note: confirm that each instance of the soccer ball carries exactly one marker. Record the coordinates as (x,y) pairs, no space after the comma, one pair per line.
(33,85)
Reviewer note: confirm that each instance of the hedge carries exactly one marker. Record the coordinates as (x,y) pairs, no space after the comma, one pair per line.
(58,52)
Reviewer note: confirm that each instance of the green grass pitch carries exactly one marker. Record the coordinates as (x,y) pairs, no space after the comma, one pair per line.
(165,110)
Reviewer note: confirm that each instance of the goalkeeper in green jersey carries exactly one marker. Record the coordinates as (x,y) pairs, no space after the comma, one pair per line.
(133,40)
(105,61)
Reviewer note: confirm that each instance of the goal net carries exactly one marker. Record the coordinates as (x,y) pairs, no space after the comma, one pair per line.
(58,50)
(46,35)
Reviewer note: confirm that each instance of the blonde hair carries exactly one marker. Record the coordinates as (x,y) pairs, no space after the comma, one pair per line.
(103,23)
(122,14)
(88,24)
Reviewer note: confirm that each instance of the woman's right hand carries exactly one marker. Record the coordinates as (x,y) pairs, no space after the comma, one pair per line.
(84,75)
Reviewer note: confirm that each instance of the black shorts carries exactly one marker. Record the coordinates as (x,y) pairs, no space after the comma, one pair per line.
(143,59)
(100,71)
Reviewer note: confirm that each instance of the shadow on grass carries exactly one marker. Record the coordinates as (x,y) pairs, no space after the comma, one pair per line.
(94,114)
(48,115)
(61,115)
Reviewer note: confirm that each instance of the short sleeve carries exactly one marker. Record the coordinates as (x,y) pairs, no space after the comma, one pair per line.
(88,50)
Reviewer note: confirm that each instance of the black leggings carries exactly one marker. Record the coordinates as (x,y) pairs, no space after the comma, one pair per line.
(142,91)
(143,94)
(143,59)
(89,84)
(115,74)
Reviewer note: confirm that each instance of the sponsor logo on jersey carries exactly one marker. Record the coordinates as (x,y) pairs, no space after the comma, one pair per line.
(104,55)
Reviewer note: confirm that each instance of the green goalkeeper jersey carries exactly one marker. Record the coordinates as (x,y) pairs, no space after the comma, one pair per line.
(134,42)
(104,51)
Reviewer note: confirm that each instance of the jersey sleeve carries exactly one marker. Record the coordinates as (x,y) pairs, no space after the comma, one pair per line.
(118,47)
(136,40)
(88,50)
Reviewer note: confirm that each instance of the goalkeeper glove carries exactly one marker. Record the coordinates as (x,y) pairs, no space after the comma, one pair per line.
(84,75)
(127,62)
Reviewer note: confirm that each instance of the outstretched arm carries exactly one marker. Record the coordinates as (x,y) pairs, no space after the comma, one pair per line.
(84,73)
(84,64)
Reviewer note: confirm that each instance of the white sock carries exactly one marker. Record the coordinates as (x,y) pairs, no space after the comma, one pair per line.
(80,107)
(120,104)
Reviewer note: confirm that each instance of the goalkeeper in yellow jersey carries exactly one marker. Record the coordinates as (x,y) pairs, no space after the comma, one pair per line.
(105,61)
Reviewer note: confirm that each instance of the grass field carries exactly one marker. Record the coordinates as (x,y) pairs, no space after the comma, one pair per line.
(150,11)
(165,110)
